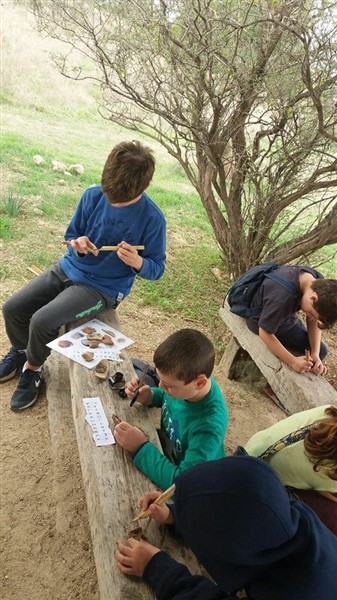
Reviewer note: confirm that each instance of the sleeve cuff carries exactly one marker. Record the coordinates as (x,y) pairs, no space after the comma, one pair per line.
(135,453)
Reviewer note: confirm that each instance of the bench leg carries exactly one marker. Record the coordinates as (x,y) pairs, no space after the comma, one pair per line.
(237,364)
(229,357)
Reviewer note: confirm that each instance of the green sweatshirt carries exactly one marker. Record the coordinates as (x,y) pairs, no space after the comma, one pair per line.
(195,429)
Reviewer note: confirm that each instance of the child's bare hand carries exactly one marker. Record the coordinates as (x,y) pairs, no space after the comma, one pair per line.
(318,366)
(148,498)
(82,245)
(161,514)
(145,395)
(129,437)
(129,255)
(134,555)
(301,365)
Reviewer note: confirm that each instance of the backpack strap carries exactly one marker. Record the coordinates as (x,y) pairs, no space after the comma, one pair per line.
(291,287)
(287,440)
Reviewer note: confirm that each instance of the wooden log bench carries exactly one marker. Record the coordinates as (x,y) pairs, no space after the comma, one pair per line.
(294,392)
(113,485)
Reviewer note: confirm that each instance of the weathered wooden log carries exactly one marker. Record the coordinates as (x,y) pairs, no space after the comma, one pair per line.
(295,392)
(113,485)
(62,435)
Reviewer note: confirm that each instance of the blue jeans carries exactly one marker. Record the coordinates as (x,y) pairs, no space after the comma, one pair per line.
(293,335)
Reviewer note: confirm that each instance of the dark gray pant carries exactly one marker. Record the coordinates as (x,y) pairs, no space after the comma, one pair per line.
(293,335)
(34,315)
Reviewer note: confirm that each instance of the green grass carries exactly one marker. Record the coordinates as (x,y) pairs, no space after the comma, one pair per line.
(189,287)
(11,204)
(17,153)
(6,228)
(325,259)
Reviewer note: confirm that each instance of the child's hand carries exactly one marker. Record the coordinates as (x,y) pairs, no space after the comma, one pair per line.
(161,514)
(145,395)
(129,255)
(129,437)
(134,555)
(318,366)
(82,245)
(301,365)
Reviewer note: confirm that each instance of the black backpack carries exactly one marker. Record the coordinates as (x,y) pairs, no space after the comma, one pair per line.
(241,294)
(151,377)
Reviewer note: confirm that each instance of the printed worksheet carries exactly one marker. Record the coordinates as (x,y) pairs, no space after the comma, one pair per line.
(96,417)
(91,342)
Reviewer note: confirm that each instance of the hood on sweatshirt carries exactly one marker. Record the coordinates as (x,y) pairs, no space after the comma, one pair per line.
(240,523)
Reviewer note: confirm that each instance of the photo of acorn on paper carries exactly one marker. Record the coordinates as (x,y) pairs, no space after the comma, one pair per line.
(90,343)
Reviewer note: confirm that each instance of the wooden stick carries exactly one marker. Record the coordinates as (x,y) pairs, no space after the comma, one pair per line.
(140,384)
(34,269)
(160,500)
(104,248)
(307,354)
(116,419)
(114,248)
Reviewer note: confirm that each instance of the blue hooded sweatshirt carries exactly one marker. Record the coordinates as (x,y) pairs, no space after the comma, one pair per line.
(239,521)
(141,223)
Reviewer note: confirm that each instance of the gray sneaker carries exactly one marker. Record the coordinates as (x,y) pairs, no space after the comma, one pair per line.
(11,363)
(27,390)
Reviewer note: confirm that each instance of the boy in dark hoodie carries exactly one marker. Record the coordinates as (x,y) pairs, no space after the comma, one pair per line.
(239,521)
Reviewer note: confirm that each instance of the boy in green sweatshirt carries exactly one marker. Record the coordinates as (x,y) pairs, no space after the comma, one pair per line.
(194,415)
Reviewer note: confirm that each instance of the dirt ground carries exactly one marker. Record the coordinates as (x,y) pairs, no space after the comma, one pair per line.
(46,550)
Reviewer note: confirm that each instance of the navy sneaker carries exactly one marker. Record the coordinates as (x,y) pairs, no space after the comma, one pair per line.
(11,363)
(27,390)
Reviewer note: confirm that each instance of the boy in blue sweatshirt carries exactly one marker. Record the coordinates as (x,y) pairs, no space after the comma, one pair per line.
(86,281)
(194,415)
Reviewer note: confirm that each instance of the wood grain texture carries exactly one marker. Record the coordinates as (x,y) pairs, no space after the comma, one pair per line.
(113,485)
(295,392)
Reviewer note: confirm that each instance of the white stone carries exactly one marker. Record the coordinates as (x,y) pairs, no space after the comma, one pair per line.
(38,159)
(77,169)
(58,165)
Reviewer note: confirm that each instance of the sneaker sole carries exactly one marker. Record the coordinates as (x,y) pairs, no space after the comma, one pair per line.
(10,376)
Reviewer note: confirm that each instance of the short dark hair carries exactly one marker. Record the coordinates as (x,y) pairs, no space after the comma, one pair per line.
(326,303)
(127,172)
(185,354)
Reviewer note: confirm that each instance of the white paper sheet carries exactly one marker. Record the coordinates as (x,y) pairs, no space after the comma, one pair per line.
(71,344)
(98,422)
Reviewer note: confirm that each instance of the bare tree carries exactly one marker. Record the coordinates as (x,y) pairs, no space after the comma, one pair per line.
(241,93)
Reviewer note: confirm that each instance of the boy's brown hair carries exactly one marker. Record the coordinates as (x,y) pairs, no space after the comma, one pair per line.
(321,443)
(127,172)
(326,303)
(185,354)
